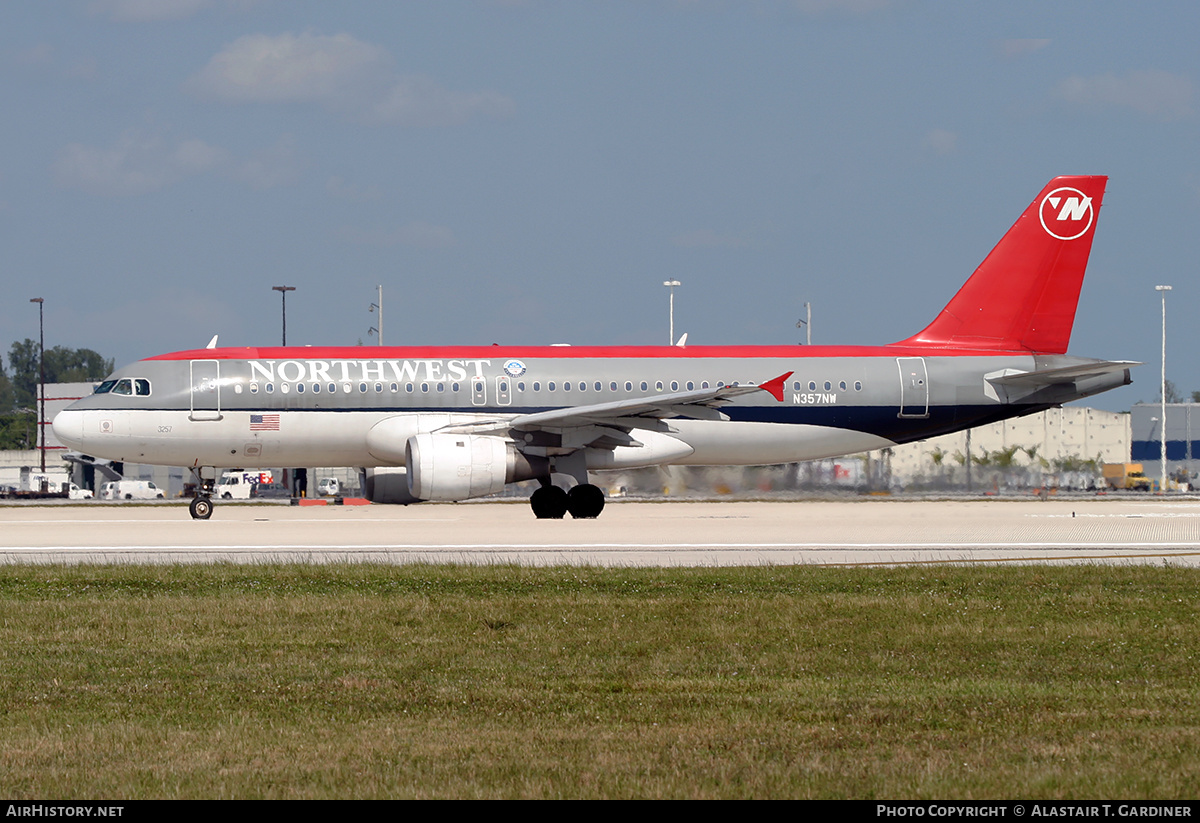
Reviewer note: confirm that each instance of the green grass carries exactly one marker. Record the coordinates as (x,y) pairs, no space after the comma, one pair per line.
(428,681)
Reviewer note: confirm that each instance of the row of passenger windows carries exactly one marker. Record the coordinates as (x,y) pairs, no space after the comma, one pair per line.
(141,387)
(521,386)
(828,385)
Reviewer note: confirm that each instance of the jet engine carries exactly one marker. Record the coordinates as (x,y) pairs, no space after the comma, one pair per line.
(462,466)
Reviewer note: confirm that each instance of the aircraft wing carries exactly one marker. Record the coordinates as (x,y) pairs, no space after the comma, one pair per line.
(700,403)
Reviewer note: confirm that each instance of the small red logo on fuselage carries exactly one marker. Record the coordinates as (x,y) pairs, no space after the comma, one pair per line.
(1066,213)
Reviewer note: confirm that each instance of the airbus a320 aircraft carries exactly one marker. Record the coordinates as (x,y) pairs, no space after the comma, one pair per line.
(456,423)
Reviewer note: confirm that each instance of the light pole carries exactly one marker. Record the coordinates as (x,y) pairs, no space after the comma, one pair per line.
(807,324)
(1162,392)
(283,290)
(671,284)
(378,329)
(41,381)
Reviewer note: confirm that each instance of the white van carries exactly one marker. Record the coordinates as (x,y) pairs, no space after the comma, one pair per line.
(130,490)
(236,484)
(328,487)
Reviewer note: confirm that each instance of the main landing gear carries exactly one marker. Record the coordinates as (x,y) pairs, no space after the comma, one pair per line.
(583,501)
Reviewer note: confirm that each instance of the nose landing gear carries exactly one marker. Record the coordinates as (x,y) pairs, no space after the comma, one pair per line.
(201,507)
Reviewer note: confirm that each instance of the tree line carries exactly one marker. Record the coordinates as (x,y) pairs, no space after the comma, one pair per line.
(19,385)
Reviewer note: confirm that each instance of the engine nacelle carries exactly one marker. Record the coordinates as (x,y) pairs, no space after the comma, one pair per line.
(462,466)
(388,485)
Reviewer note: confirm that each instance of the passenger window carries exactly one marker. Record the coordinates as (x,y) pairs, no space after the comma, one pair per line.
(299,388)
(316,388)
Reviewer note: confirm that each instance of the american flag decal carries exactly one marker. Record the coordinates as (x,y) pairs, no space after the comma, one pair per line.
(264,422)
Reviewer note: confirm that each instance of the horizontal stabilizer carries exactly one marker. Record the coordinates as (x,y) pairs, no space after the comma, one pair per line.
(1064,374)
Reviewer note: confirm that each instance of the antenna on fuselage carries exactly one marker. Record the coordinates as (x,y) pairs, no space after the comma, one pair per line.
(212,344)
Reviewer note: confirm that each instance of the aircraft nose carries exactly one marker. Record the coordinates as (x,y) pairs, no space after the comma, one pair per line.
(68,428)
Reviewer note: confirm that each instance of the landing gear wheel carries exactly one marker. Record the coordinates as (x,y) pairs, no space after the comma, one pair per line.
(201,508)
(549,503)
(585,501)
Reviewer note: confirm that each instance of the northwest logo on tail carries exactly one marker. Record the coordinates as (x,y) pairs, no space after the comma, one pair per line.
(1066,213)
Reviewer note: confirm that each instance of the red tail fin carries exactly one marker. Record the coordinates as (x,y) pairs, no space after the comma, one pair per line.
(1023,296)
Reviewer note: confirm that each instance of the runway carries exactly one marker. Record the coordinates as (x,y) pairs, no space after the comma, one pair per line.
(859,532)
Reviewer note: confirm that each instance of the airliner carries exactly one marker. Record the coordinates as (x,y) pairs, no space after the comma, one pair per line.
(454,423)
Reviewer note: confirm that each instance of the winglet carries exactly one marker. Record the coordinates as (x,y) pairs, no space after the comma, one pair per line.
(775,387)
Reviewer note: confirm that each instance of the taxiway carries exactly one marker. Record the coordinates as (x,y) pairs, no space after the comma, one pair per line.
(860,532)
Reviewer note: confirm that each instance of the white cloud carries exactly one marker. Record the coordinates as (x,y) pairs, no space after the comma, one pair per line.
(941,141)
(278,165)
(418,101)
(340,73)
(709,239)
(838,6)
(1015,47)
(420,235)
(1152,92)
(339,188)
(136,163)
(143,11)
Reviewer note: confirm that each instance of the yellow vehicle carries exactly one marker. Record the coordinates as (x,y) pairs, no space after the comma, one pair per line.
(1127,476)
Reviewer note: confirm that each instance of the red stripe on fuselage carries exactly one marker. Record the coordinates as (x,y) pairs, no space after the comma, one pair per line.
(570,352)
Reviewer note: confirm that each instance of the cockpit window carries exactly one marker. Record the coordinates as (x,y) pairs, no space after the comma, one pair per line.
(125,386)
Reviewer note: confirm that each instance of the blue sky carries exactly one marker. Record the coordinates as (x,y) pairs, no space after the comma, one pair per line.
(531,172)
